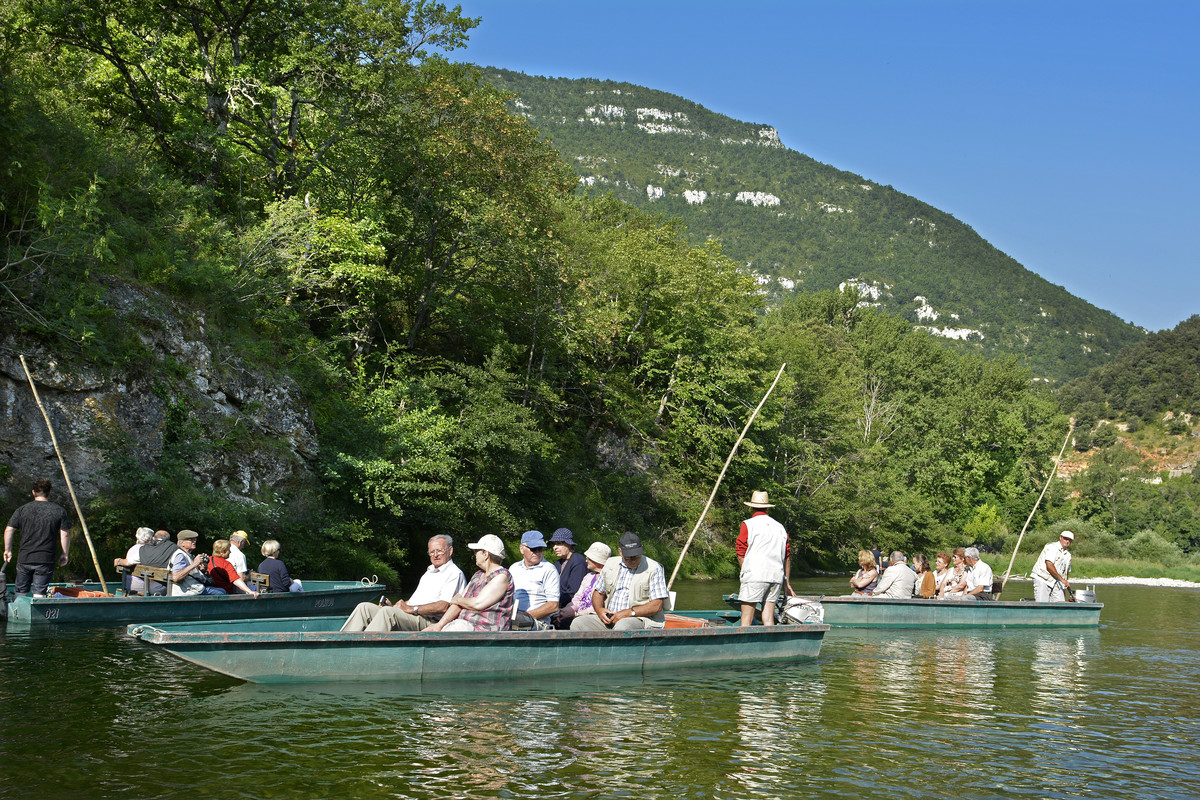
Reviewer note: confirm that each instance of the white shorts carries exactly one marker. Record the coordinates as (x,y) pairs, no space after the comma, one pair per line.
(756,591)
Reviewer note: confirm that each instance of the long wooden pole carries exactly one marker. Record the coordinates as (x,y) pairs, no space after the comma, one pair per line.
(721,477)
(87,537)
(1050,477)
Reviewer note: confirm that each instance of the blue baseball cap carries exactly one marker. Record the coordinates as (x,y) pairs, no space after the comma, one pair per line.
(532,539)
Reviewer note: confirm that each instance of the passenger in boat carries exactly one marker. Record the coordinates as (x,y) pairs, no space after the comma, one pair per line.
(275,569)
(158,553)
(979,578)
(898,580)
(1050,572)
(867,578)
(765,560)
(42,524)
(238,541)
(184,567)
(132,558)
(596,556)
(956,582)
(942,572)
(571,566)
(440,582)
(630,593)
(926,584)
(224,577)
(488,601)
(535,582)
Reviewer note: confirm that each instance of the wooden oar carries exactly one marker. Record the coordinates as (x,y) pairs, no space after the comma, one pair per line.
(1050,477)
(63,464)
(721,477)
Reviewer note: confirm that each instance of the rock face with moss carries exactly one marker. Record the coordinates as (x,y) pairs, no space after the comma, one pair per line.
(258,434)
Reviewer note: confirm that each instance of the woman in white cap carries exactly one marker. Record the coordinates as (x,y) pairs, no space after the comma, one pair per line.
(596,556)
(487,602)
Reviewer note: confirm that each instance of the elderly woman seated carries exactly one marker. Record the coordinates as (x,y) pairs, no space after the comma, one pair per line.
(487,602)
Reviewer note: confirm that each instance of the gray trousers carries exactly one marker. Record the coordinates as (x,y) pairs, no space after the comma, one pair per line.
(381,619)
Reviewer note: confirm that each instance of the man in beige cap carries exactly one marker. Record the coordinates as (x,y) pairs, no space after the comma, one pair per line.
(762,551)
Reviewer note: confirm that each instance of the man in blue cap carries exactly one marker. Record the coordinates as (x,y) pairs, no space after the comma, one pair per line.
(535,583)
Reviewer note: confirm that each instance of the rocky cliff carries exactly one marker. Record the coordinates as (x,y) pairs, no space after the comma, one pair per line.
(267,435)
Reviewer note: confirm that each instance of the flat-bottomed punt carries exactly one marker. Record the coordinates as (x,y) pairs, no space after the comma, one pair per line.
(313,650)
(882,612)
(320,598)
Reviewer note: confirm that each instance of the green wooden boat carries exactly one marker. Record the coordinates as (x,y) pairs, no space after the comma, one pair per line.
(320,598)
(881,612)
(311,650)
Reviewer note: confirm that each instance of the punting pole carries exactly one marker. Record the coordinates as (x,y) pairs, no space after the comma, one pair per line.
(721,477)
(86,536)
(1050,477)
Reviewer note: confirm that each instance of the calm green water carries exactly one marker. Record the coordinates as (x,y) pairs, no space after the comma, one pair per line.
(1111,713)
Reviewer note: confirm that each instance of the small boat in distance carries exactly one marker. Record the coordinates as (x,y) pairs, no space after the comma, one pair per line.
(82,606)
(312,650)
(884,612)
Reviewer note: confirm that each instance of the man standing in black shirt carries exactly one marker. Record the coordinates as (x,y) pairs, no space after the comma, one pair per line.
(38,522)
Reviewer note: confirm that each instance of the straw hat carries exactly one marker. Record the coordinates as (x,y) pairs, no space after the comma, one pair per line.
(759,500)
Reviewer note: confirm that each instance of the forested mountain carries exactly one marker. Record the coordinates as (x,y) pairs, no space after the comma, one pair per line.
(805,226)
(289,270)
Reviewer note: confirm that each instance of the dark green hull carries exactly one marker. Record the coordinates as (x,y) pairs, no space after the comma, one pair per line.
(306,650)
(878,612)
(321,598)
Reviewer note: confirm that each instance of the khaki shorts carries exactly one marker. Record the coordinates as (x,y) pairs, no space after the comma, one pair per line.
(756,591)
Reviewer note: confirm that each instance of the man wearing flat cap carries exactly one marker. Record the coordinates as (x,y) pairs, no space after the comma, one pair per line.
(535,581)
(1050,572)
(630,594)
(762,551)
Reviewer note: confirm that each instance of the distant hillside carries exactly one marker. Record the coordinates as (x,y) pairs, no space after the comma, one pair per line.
(806,226)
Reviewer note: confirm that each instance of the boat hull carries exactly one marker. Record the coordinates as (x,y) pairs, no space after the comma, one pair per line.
(302,651)
(879,612)
(321,598)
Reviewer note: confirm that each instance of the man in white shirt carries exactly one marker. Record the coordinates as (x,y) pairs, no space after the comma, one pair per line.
(1050,571)
(237,542)
(979,578)
(441,581)
(898,580)
(535,584)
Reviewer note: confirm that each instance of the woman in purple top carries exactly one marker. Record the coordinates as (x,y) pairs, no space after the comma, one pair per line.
(487,602)
(581,602)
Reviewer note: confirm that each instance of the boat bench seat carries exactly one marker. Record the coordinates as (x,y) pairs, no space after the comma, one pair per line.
(147,574)
(259,582)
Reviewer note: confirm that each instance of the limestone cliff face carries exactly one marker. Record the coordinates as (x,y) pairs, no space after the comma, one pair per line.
(267,434)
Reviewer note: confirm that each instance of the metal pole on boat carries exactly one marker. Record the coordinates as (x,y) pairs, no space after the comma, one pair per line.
(721,477)
(1050,477)
(83,523)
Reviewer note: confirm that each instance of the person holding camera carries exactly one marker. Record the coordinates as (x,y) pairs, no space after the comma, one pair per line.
(188,572)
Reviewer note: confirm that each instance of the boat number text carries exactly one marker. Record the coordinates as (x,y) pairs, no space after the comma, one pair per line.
(51,613)
(324,602)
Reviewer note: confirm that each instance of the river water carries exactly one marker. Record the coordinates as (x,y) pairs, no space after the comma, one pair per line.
(1108,713)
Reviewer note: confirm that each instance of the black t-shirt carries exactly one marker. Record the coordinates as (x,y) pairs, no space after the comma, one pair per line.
(39,522)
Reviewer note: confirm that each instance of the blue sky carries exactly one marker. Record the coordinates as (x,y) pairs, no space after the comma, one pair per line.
(1064,132)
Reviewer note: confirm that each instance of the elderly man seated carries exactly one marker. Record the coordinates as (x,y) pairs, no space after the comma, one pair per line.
(441,582)
(898,580)
(630,593)
(979,578)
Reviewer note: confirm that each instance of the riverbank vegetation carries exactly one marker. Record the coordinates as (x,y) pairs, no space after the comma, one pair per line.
(485,349)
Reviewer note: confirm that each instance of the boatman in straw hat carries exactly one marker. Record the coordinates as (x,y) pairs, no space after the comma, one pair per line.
(762,551)
(1050,571)
(39,521)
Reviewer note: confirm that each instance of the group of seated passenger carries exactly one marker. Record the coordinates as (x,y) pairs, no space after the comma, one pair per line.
(224,572)
(961,576)
(590,591)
